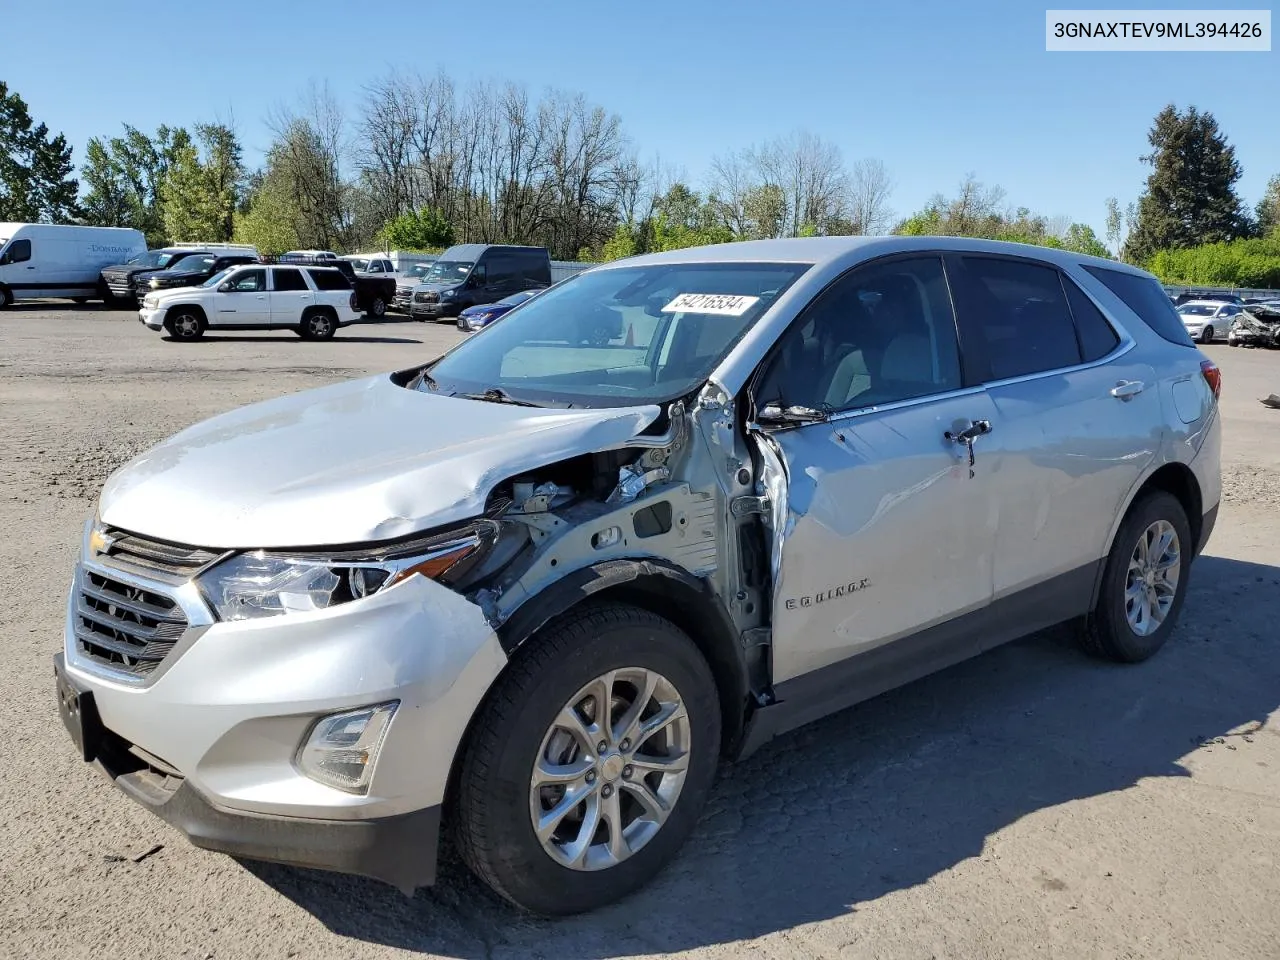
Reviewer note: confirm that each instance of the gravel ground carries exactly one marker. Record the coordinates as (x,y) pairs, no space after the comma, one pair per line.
(1028,803)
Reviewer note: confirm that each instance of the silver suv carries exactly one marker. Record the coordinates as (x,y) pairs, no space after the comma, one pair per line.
(533,591)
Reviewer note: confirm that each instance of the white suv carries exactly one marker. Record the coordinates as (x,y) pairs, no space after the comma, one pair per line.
(311,301)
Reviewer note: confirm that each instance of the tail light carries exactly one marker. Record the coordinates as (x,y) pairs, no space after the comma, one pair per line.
(1212,376)
(355,303)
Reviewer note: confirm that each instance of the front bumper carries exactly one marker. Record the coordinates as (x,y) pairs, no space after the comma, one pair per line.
(152,317)
(434,310)
(225,713)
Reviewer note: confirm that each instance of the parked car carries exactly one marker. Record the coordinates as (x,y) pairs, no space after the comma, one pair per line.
(542,594)
(406,282)
(476,273)
(1205,319)
(311,301)
(374,292)
(370,263)
(1188,297)
(309,255)
(190,271)
(118,283)
(42,260)
(1256,326)
(476,318)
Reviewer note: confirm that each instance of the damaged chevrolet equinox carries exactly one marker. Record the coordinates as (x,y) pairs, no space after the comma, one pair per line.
(526,596)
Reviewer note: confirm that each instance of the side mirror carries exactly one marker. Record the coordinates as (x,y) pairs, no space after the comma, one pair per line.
(225,287)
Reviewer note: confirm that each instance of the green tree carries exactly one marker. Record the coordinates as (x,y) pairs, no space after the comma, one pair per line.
(1190,197)
(424,229)
(1114,224)
(1081,238)
(268,219)
(202,187)
(1268,210)
(621,244)
(36,182)
(123,177)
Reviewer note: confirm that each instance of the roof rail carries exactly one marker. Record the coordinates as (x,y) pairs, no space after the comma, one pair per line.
(236,247)
(295,260)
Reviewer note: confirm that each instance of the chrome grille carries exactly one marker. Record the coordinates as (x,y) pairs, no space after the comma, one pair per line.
(126,627)
(120,284)
(426,296)
(155,558)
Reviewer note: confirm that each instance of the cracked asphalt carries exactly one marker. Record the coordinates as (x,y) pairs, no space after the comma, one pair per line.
(1028,803)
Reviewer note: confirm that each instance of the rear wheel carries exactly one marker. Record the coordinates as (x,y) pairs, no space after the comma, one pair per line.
(318,325)
(590,761)
(185,324)
(378,308)
(1206,335)
(1144,583)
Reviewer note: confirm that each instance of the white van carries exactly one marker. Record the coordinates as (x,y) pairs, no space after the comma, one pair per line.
(43,260)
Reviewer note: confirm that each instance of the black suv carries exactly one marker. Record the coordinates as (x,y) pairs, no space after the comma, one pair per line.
(188,272)
(117,281)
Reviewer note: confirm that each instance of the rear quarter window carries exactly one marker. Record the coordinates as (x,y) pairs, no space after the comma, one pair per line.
(329,280)
(1145,297)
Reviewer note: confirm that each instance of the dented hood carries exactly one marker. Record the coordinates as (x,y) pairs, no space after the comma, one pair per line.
(350,463)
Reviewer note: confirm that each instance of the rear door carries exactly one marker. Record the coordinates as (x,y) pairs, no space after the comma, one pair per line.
(290,295)
(885,529)
(1077,422)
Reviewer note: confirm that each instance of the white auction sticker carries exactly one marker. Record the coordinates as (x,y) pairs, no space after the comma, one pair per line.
(720,304)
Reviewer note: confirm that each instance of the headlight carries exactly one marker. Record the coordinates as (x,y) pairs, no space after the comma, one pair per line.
(249,586)
(154,284)
(448,294)
(149,301)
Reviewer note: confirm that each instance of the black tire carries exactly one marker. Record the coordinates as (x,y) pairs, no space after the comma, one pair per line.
(1105,632)
(491,811)
(378,308)
(185,324)
(80,301)
(6,298)
(1206,335)
(318,324)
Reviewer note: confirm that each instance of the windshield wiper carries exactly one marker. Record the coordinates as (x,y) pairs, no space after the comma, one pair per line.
(496,395)
(776,413)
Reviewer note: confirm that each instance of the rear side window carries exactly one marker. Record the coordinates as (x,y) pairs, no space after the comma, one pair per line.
(1097,337)
(329,280)
(288,279)
(1019,312)
(1145,297)
(535,269)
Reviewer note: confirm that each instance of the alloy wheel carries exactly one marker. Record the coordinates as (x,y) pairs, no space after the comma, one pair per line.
(319,325)
(610,769)
(1151,582)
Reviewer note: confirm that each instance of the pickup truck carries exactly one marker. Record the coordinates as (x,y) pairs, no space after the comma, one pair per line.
(311,301)
(374,292)
(187,272)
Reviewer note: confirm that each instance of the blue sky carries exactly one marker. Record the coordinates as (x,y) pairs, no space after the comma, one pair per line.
(933,89)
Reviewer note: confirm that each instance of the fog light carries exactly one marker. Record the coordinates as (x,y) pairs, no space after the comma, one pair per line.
(342,748)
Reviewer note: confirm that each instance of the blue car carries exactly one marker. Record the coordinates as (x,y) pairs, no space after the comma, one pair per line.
(483,314)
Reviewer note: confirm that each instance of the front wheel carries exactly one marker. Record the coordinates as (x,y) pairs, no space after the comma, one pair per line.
(589,762)
(1144,582)
(185,325)
(1206,335)
(6,298)
(378,308)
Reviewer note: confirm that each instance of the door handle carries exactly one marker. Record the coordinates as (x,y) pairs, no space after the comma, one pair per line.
(969,432)
(1127,389)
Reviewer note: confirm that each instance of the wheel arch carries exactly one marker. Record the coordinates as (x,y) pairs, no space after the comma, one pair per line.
(1175,478)
(171,310)
(662,589)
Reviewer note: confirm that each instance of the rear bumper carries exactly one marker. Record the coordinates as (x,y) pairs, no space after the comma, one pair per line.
(399,850)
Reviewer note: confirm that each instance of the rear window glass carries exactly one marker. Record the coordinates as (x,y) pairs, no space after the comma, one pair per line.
(329,280)
(1097,338)
(1145,297)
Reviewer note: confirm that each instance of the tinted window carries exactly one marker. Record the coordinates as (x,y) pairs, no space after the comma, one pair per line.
(879,334)
(285,279)
(329,280)
(1097,337)
(535,268)
(1019,312)
(19,251)
(502,270)
(248,281)
(193,264)
(1145,297)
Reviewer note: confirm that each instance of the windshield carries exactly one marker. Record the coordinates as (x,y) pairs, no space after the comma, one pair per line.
(1196,310)
(514,299)
(448,271)
(416,271)
(152,258)
(217,278)
(617,337)
(359,263)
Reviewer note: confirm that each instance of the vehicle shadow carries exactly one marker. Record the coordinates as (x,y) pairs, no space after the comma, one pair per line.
(883,796)
(292,338)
